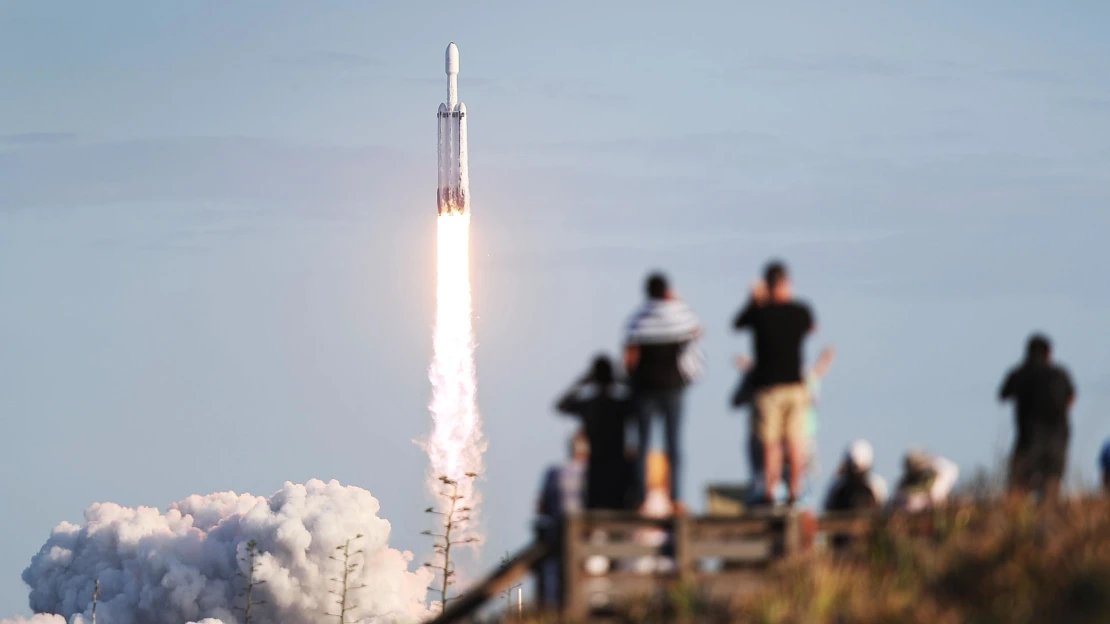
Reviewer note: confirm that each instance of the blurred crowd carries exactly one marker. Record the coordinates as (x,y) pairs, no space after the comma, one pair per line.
(622,408)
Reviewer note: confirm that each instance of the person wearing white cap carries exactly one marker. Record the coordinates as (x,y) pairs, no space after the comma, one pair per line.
(856,486)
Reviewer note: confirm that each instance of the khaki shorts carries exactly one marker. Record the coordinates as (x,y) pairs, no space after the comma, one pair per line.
(781,413)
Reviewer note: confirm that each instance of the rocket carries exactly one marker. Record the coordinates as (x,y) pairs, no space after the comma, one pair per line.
(453,196)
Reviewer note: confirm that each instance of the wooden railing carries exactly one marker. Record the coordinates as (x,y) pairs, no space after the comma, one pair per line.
(611,560)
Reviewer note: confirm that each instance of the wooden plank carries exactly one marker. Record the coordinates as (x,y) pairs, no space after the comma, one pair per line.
(754,551)
(792,535)
(623,589)
(683,548)
(701,530)
(575,606)
(619,550)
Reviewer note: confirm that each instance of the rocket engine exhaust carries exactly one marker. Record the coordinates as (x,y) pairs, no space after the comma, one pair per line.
(455,445)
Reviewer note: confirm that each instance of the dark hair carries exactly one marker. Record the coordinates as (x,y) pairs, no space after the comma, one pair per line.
(601,371)
(1038,348)
(656,286)
(774,274)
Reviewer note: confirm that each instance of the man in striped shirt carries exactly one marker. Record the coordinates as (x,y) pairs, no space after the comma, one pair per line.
(659,359)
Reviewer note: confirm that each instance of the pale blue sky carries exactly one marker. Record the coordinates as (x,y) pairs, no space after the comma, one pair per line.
(217,230)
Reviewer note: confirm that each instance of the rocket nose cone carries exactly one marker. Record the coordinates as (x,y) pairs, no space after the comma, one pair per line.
(452,59)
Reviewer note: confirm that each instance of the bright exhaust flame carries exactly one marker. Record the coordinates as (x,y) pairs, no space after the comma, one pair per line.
(455,446)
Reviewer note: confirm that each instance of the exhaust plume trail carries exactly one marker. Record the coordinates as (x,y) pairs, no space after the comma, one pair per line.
(455,446)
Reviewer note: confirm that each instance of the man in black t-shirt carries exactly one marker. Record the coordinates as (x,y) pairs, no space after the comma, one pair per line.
(657,356)
(779,326)
(1043,394)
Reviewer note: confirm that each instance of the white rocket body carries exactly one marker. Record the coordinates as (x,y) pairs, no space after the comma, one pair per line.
(453,197)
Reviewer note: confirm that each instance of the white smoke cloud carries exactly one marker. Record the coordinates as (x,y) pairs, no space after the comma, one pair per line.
(182,565)
(37,619)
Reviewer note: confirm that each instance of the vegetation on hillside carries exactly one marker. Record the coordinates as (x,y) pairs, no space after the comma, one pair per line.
(1013,563)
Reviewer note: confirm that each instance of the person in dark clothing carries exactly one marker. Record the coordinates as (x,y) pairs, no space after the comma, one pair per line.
(1043,394)
(662,359)
(856,487)
(1104,466)
(779,326)
(605,407)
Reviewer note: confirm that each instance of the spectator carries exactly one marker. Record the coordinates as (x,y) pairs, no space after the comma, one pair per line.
(779,326)
(926,482)
(605,408)
(560,496)
(856,487)
(1043,393)
(562,490)
(662,359)
(1104,466)
(743,396)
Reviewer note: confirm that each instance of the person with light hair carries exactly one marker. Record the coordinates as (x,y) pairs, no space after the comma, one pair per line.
(926,482)
(658,503)
(856,486)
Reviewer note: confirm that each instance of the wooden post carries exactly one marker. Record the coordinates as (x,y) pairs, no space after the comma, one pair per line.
(683,549)
(792,534)
(575,605)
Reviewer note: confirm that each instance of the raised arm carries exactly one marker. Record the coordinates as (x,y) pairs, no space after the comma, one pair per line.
(571,401)
(744,318)
(759,296)
(1008,389)
(824,362)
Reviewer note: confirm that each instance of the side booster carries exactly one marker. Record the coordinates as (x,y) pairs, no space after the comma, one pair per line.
(453,197)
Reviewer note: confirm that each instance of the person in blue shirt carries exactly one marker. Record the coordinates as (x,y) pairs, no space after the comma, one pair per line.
(561,494)
(1104,465)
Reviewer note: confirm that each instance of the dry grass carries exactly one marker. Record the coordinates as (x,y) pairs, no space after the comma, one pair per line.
(1012,562)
